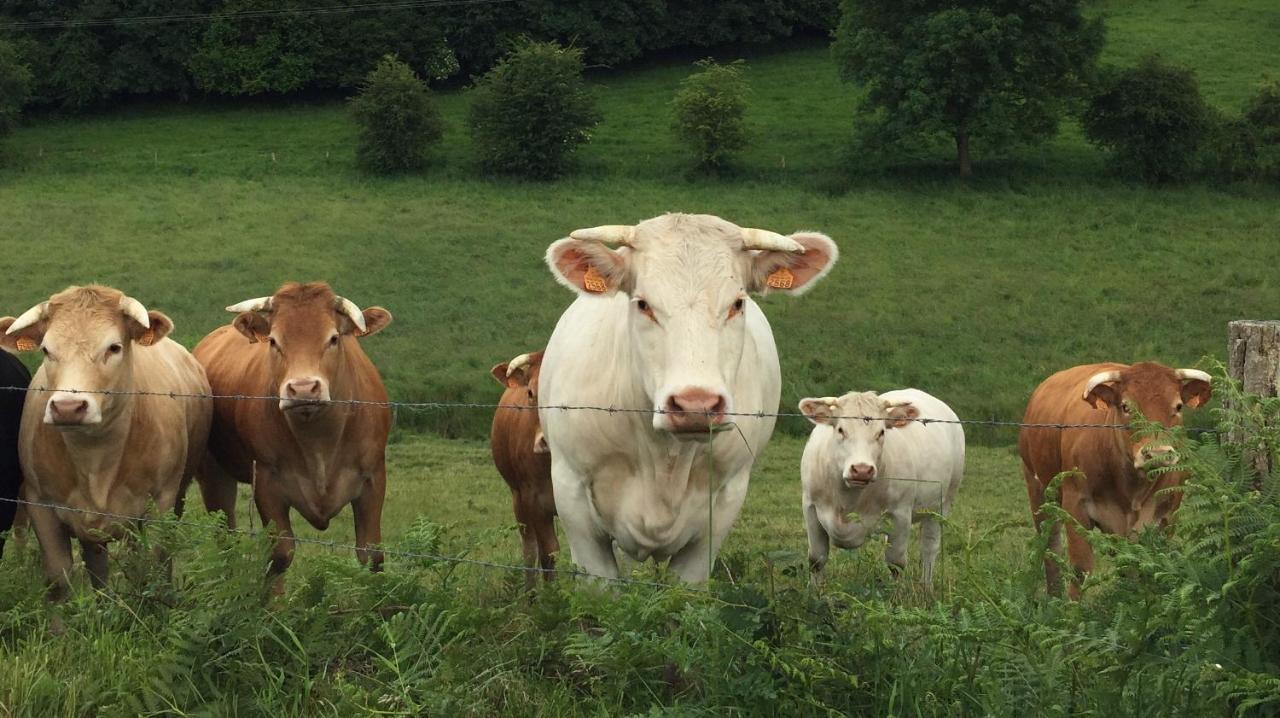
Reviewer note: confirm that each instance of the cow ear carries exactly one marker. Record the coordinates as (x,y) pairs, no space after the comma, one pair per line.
(791,272)
(375,320)
(160,328)
(26,340)
(499,373)
(587,266)
(253,325)
(1196,393)
(900,415)
(819,410)
(1104,394)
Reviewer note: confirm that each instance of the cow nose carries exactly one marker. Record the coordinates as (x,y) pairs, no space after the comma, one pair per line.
(303,388)
(862,472)
(540,444)
(68,411)
(694,409)
(1159,455)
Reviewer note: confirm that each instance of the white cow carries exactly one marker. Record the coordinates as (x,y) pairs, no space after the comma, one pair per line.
(867,456)
(663,329)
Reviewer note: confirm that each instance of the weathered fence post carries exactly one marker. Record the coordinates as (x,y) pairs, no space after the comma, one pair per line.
(1253,359)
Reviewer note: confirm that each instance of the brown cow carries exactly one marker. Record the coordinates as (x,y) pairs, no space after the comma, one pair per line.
(520,453)
(88,441)
(301,344)
(1111,490)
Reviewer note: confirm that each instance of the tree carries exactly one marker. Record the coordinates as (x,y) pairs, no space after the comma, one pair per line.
(15,87)
(397,117)
(993,71)
(709,110)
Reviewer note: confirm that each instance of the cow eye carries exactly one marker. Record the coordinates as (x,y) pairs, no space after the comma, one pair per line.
(115,349)
(642,305)
(271,341)
(840,430)
(45,350)
(333,340)
(880,435)
(1178,409)
(738,305)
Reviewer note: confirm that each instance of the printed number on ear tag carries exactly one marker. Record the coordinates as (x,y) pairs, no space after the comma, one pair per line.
(27,344)
(593,282)
(781,278)
(148,338)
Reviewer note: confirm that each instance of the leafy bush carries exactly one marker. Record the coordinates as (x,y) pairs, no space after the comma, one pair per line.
(15,87)
(397,117)
(1151,118)
(532,110)
(709,110)
(1262,116)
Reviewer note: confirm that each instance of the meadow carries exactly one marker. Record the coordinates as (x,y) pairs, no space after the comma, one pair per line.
(973,291)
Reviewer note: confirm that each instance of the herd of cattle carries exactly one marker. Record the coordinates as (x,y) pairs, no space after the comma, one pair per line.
(663,332)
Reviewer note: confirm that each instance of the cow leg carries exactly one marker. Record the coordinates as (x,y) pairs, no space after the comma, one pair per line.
(218,489)
(691,563)
(591,548)
(819,544)
(895,554)
(275,515)
(528,537)
(544,527)
(55,549)
(1035,496)
(367,508)
(930,545)
(95,562)
(1079,552)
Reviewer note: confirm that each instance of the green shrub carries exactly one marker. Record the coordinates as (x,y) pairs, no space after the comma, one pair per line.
(709,110)
(532,110)
(397,117)
(15,87)
(1151,118)
(1262,116)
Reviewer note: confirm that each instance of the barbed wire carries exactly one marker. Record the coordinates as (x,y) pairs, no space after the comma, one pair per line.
(125,21)
(441,405)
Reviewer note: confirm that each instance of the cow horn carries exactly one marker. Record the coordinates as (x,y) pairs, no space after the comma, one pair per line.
(29,317)
(622,234)
(1101,377)
(764,239)
(516,364)
(1193,374)
(349,308)
(261,304)
(133,309)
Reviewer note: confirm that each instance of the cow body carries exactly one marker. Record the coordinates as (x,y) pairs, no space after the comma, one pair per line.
(1108,487)
(108,450)
(520,453)
(664,330)
(915,472)
(15,375)
(299,453)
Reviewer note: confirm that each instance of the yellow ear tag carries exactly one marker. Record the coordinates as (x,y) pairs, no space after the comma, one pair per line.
(148,338)
(27,344)
(781,278)
(593,282)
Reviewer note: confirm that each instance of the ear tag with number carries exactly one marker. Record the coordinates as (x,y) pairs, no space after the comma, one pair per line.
(781,278)
(148,338)
(593,282)
(27,344)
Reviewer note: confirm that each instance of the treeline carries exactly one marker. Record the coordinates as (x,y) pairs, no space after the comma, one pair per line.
(297,45)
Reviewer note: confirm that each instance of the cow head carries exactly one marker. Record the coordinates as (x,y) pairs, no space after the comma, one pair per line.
(858,422)
(307,330)
(88,336)
(688,278)
(1159,393)
(521,375)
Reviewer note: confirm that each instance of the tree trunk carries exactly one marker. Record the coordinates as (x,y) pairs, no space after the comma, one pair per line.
(1253,359)
(962,152)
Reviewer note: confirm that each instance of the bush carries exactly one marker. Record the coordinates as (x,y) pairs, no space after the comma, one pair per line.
(397,117)
(1262,117)
(709,110)
(532,110)
(15,87)
(1152,119)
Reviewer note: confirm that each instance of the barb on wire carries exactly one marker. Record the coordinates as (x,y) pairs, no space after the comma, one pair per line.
(334,545)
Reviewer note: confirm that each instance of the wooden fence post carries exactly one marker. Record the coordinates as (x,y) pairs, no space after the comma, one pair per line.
(1253,359)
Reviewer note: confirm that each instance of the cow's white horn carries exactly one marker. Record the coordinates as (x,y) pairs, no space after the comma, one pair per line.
(354,313)
(1101,377)
(764,239)
(261,304)
(621,234)
(516,364)
(1191,374)
(133,309)
(29,317)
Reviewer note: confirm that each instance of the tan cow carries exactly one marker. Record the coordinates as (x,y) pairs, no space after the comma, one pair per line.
(520,453)
(105,450)
(1108,487)
(302,345)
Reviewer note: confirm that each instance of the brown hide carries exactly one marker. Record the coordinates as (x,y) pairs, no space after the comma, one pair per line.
(1108,489)
(313,458)
(521,458)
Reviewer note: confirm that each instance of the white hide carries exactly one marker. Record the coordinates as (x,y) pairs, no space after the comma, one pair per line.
(919,470)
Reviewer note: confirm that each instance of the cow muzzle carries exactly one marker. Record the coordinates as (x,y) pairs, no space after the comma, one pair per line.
(304,396)
(540,443)
(71,410)
(858,475)
(692,411)
(1156,457)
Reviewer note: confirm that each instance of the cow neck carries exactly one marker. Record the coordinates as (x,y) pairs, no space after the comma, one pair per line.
(98,452)
(320,438)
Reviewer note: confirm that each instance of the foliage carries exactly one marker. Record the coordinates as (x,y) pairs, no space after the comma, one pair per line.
(532,110)
(1152,119)
(397,117)
(1262,117)
(15,87)
(997,72)
(709,112)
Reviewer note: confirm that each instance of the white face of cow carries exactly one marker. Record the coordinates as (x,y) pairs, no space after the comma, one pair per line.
(688,277)
(858,424)
(87,336)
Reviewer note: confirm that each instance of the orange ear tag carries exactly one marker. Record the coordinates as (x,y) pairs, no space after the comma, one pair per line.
(781,278)
(593,282)
(27,344)
(148,338)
